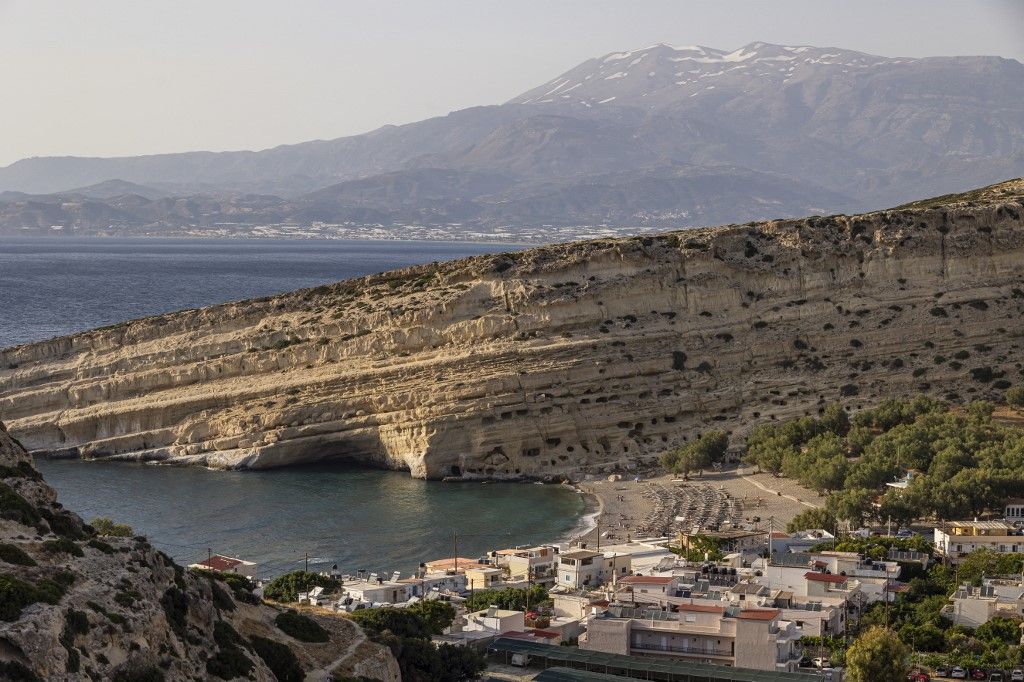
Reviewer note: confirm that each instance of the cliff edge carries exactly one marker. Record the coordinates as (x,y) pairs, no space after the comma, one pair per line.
(590,355)
(77,606)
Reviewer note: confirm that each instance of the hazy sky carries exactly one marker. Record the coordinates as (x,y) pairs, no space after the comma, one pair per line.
(107,78)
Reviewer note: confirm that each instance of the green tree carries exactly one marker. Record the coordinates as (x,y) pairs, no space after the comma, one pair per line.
(286,588)
(437,615)
(512,598)
(984,561)
(999,630)
(898,506)
(835,419)
(709,447)
(104,526)
(878,655)
(400,622)
(1015,397)
(811,519)
(850,505)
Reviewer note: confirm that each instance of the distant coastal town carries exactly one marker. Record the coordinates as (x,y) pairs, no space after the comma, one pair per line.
(452,232)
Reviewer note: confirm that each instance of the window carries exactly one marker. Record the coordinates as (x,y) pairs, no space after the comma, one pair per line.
(690,618)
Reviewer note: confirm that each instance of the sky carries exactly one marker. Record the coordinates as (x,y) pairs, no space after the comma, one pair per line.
(117,78)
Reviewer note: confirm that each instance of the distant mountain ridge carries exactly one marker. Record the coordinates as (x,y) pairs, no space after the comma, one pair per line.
(662,136)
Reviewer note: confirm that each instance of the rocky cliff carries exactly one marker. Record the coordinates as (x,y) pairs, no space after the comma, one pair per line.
(74,606)
(590,355)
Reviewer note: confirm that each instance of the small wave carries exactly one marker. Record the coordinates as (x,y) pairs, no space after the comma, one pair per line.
(585,523)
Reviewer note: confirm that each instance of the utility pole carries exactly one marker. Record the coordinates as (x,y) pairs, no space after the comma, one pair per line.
(599,533)
(307,562)
(209,554)
(455,548)
(771,529)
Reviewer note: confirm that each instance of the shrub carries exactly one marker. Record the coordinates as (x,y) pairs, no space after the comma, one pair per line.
(104,526)
(16,672)
(101,546)
(399,622)
(286,588)
(77,622)
(15,594)
(175,603)
(12,554)
(1015,396)
(16,508)
(137,672)
(230,661)
(63,524)
(302,628)
(240,586)
(62,546)
(437,615)
(512,598)
(281,660)
(710,447)
(21,470)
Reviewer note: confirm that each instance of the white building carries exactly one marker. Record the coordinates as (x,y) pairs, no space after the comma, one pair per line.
(587,568)
(973,606)
(496,621)
(957,539)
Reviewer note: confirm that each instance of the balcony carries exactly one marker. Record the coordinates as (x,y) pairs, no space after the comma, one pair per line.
(683,649)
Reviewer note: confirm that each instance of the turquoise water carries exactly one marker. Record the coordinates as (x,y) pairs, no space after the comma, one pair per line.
(357,518)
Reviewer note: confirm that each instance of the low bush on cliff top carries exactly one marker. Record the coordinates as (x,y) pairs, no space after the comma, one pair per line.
(104,526)
(286,588)
(302,628)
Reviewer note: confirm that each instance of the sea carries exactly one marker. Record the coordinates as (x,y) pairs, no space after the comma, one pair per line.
(285,519)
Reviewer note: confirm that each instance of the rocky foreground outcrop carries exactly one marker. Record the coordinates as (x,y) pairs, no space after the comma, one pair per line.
(74,606)
(585,356)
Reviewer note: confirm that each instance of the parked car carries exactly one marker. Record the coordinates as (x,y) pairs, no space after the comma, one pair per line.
(1017,675)
(820,662)
(918,675)
(978,674)
(958,673)
(996,676)
(943,671)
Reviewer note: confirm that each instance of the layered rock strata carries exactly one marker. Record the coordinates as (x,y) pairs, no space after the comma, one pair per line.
(592,355)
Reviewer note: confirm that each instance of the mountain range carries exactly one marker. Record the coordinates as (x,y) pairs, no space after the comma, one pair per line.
(658,137)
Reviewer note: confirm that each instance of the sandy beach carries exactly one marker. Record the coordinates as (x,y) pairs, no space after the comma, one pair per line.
(661,505)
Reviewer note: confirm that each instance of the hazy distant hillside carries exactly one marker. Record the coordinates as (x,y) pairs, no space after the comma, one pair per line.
(659,136)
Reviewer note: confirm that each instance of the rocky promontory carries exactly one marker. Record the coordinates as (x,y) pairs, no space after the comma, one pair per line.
(591,355)
(75,605)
